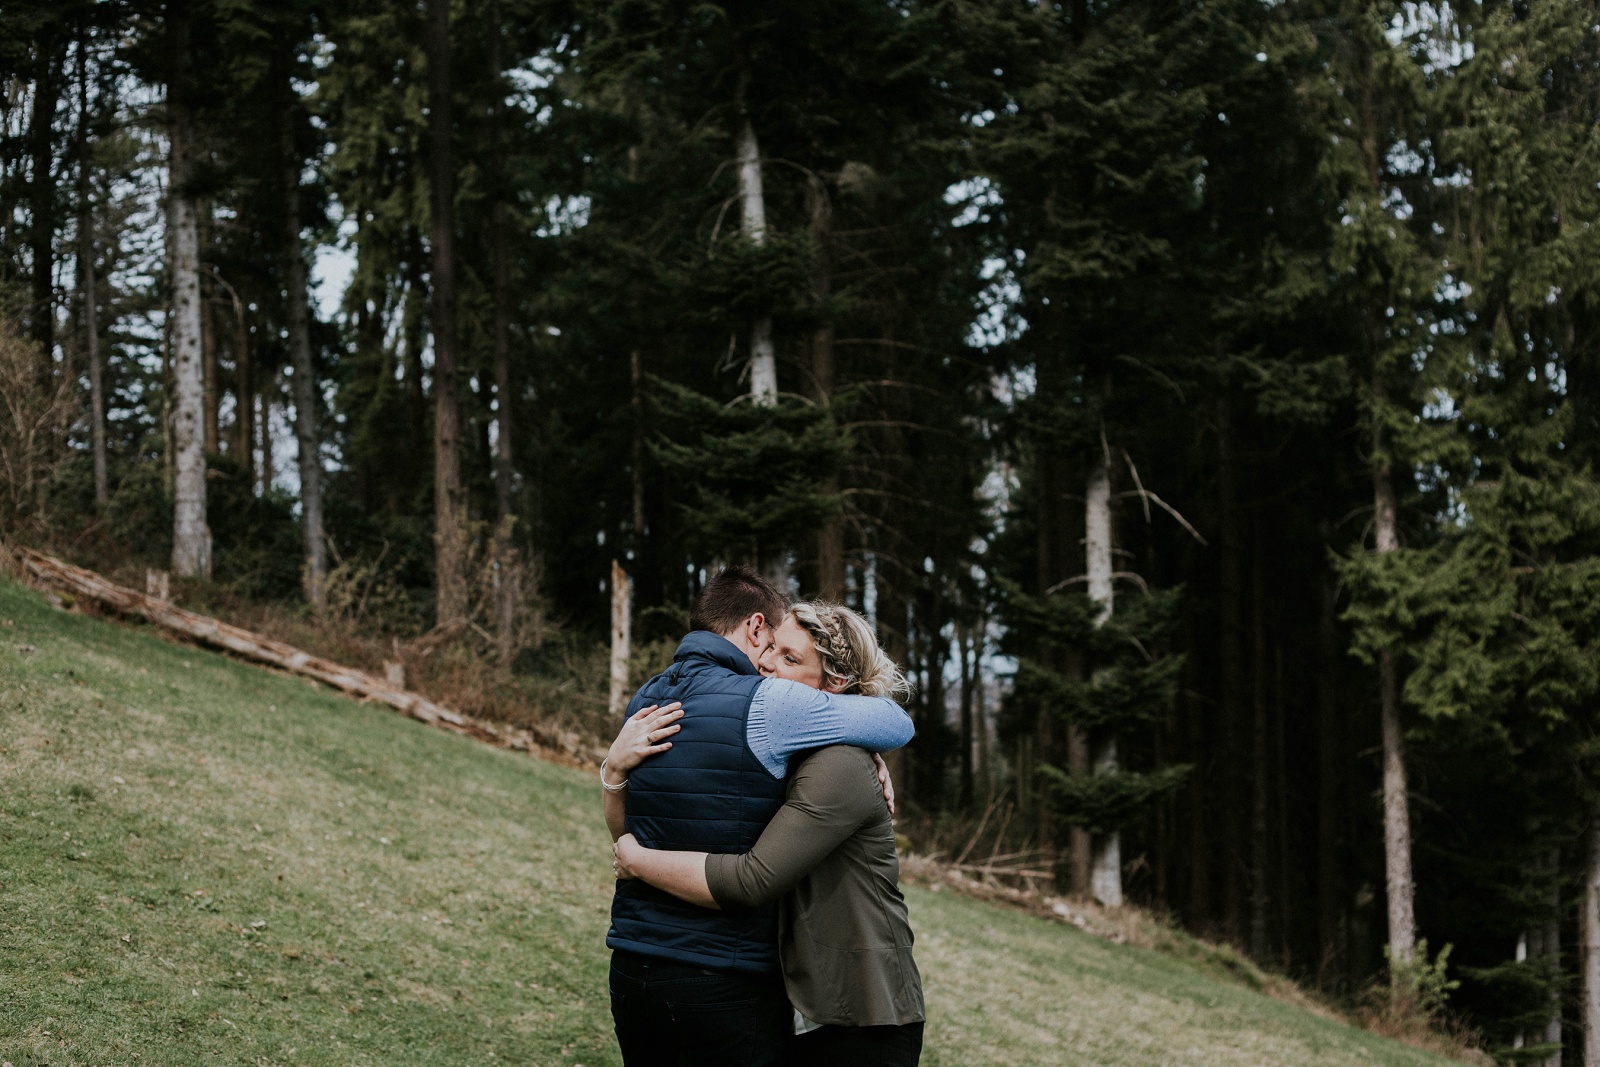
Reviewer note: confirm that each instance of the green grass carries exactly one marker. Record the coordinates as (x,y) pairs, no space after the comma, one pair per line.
(203,862)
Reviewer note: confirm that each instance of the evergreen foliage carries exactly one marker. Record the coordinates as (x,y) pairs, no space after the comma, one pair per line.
(1268,269)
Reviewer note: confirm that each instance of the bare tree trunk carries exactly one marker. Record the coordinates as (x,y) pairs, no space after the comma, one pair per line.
(763,357)
(981,713)
(621,637)
(305,382)
(269,396)
(1230,597)
(1330,751)
(191,541)
(891,622)
(966,646)
(244,390)
(830,536)
(1552,951)
(636,457)
(508,583)
(41,195)
(1396,814)
(1258,765)
(90,287)
(208,342)
(1106,879)
(1591,949)
(450,552)
(1192,713)
(508,577)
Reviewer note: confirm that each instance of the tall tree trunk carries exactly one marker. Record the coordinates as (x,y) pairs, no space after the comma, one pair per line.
(966,646)
(42,193)
(448,501)
(191,541)
(981,713)
(830,536)
(891,623)
(508,577)
(244,390)
(621,638)
(269,396)
(1591,948)
(1230,600)
(1330,761)
(1106,878)
(306,394)
(1056,551)
(208,342)
(90,287)
(1552,951)
(752,198)
(507,574)
(1199,815)
(1258,762)
(636,452)
(1396,813)
(413,321)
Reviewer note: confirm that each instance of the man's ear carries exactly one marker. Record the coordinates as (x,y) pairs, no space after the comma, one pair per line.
(755,624)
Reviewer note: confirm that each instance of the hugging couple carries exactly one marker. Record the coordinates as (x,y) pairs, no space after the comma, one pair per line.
(758,919)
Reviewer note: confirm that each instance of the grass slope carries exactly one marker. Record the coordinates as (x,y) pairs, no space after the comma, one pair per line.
(203,862)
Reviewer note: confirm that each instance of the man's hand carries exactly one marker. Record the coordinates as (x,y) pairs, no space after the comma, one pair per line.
(884,782)
(623,850)
(642,737)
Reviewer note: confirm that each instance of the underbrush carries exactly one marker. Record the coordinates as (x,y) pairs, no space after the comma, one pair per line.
(556,683)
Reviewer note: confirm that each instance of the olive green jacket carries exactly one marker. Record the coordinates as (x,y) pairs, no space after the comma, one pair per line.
(843,935)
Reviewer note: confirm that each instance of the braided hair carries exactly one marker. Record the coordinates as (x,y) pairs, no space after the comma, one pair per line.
(849,649)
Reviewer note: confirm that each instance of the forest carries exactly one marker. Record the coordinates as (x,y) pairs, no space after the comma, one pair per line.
(1202,398)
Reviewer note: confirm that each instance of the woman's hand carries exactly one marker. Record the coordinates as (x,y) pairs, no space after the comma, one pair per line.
(642,737)
(885,782)
(623,850)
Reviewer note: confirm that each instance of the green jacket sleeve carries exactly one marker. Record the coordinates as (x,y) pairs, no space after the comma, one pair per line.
(831,795)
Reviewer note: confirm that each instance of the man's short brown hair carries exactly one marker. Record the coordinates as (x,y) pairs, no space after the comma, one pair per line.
(733,595)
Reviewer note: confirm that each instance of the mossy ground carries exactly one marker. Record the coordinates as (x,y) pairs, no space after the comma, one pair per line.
(203,862)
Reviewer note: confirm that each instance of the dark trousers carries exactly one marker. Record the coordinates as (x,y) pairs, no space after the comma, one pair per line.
(859,1046)
(679,1015)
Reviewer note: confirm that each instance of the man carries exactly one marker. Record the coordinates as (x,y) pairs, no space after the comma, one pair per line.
(691,985)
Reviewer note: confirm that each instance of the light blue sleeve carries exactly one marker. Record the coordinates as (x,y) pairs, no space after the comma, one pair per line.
(788,717)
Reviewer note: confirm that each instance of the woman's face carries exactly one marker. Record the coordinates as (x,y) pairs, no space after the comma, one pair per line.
(793,655)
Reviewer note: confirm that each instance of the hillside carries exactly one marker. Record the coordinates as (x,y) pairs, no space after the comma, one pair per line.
(201,861)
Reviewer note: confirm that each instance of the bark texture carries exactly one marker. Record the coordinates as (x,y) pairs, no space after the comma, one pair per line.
(305,381)
(1590,933)
(1396,813)
(830,537)
(1230,599)
(89,288)
(191,541)
(621,638)
(1330,749)
(1106,876)
(1259,768)
(507,573)
(449,547)
(752,199)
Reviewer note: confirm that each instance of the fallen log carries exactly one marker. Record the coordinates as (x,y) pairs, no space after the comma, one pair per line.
(252,646)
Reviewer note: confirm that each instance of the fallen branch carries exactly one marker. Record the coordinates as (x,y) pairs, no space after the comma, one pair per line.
(51,574)
(241,642)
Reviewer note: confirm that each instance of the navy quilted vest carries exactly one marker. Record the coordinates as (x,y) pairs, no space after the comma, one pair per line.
(708,793)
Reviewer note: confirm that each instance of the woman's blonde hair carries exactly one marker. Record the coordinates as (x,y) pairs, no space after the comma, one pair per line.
(849,649)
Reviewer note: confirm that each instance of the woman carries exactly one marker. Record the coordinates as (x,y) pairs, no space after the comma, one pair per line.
(829,857)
